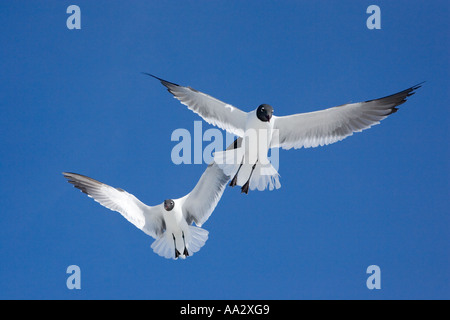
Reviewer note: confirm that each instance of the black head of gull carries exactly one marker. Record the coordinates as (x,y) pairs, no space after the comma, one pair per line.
(264,112)
(169,204)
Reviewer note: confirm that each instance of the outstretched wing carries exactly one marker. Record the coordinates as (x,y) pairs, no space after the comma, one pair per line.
(148,219)
(213,111)
(202,200)
(335,124)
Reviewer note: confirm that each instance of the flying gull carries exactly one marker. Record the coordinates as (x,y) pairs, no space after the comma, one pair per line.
(171,222)
(261,130)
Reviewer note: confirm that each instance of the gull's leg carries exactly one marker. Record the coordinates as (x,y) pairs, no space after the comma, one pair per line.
(177,253)
(185,252)
(234,181)
(244,188)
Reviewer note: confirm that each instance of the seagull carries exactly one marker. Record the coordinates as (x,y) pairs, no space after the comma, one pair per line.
(170,222)
(261,130)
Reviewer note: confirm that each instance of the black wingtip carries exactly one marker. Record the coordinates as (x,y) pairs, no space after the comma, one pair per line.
(151,75)
(70,179)
(417,86)
(404,94)
(411,91)
(393,110)
(164,82)
(68,175)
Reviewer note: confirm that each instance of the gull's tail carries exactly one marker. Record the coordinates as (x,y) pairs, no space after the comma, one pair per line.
(169,247)
(263,176)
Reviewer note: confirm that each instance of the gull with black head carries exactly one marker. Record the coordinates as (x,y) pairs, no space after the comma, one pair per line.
(171,222)
(261,130)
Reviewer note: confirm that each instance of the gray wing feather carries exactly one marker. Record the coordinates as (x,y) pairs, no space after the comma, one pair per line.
(212,110)
(148,219)
(203,199)
(335,124)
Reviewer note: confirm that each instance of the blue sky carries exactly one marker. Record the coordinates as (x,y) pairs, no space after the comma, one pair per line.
(75,100)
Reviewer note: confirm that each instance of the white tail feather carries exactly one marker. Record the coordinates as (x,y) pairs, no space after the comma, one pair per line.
(164,246)
(264,176)
(195,239)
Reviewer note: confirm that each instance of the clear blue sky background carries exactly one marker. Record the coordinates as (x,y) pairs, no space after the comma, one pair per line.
(74,100)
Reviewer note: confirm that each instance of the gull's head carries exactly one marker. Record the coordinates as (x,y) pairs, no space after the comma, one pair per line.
(264,112)
(169,204)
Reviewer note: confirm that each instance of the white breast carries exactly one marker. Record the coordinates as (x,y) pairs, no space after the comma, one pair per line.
(174,218)
(257,139)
